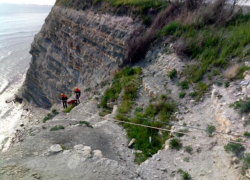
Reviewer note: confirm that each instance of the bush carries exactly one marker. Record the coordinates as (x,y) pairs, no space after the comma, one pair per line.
(243,106)
(210,130)
(172,74)
(193,94)
(185,176)
(182,94)
(86,123)
(184,85)
(227,84)
(234,148)
(189,149)
(175,144)
(56,128)
(247,134)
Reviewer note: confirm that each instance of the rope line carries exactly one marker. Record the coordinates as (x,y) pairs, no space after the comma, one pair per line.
(164,129)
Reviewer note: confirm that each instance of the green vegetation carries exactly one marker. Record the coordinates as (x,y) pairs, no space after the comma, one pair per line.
(181,131)
(243,106)
(201,88)
(63,147)
(162,110)
(188,149)
(141,4)
(234,148)
(184,85)
(210,130)
(246,163)
(172,74)
(241,71)
(50,115)
(55,128)
(197,39)
(182,94)
(193,94)
(86,123)
(184,174)
(186,159)
(247,134)
(69,108)
(175,144)
(227,84)
(127,80)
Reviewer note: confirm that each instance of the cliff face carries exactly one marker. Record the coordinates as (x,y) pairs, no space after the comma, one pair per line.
(75,48)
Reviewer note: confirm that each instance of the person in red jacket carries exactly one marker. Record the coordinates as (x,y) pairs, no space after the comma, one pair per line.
(64,100)
(78,94)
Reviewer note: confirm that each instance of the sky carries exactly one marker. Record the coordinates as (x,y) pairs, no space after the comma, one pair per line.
(40,2)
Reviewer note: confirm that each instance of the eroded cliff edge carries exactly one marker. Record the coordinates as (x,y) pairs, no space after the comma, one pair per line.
(72,48)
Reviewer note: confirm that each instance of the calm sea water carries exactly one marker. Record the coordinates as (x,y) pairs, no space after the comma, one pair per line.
(18,26)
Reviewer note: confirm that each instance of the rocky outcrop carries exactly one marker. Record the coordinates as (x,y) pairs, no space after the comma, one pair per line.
(75,48)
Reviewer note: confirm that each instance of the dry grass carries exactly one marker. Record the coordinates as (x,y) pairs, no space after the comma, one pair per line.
(231,72)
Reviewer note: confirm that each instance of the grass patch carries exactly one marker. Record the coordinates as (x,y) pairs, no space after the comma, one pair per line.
(234,148)
(211,43)
(243,106)
(241,71)
(69,108)
(247,134)
(182,95)
(162,110)
(184,85)
(127,80)
(141,4)
(172,74)
(184,174)
(86,123)
(51,115)
(175,144)
(188,149)
(56,128)
(210,130)
(246,163)
(201,88)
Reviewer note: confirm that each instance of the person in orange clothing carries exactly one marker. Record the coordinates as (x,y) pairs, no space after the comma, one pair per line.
(78,94)
(64,99)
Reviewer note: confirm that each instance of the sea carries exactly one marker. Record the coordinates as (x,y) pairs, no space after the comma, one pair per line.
(18,26)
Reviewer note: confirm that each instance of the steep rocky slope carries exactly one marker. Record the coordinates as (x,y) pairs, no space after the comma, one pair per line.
(75,48)
(83,46)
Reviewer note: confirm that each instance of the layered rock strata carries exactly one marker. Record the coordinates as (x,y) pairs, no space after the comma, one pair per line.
(75,48)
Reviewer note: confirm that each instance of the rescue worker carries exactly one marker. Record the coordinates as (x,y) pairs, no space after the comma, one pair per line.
(78,94)
(64,100)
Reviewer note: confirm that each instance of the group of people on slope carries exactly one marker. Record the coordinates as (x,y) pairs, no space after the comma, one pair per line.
(64,98)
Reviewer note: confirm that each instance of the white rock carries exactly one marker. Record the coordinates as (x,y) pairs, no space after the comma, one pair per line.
(115,110)
(131,142)
(79,147)
(97,154)
(56,148)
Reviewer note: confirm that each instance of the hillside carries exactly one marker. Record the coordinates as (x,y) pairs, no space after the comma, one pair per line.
(165,93)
